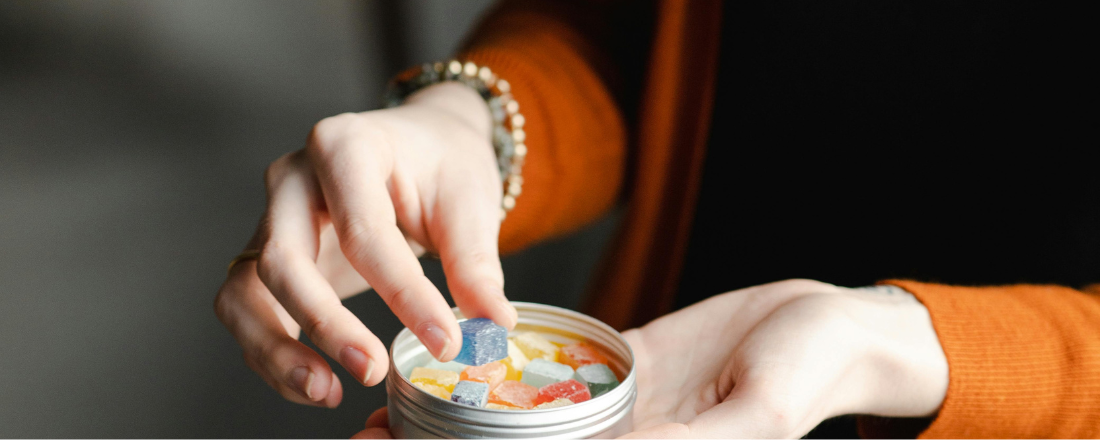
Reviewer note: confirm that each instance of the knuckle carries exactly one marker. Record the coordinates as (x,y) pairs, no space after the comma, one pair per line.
(276,171)
(477,265)
(267,263)
(317,328)
(357,236)
(221,306)
(401,299)
(327,132)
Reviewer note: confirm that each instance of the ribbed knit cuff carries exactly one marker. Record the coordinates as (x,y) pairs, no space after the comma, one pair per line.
(1024,361)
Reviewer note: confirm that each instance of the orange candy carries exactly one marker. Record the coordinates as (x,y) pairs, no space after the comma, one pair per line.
(579,355)
(491,373)
(515,394)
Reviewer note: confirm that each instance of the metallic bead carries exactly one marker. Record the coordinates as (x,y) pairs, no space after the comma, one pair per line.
(508,133)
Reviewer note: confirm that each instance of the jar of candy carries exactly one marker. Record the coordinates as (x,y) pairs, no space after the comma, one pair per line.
(415,413)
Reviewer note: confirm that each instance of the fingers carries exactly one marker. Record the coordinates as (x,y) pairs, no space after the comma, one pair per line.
(287,268)
(358,201)
(468,221)
(380,418)
(373,433)
(267,336)
(378,425)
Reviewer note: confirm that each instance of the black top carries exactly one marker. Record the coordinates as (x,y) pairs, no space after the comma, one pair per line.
(932,140)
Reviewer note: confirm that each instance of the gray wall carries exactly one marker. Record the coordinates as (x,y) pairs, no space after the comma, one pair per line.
(133,136)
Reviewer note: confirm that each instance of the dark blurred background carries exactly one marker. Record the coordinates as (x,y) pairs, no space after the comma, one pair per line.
(133,138)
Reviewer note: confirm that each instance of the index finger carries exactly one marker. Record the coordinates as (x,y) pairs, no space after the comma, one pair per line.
(359,203)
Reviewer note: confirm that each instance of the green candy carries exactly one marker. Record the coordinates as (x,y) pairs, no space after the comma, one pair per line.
(598,377)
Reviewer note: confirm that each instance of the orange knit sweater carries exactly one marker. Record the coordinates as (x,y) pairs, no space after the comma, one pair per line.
(1024,360)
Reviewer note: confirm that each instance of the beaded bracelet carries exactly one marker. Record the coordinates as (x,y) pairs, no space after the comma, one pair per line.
(508,134)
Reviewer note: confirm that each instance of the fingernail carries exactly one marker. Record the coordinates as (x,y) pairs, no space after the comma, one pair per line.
(357,363)
(435,339)
(370,369)
(509,310)
(302,380)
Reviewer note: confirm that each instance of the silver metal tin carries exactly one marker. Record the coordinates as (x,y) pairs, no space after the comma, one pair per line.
(416,414)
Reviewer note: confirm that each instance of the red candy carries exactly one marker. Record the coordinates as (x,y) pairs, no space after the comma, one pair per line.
(570,389)
(513,393)
(579,355)
(492,373)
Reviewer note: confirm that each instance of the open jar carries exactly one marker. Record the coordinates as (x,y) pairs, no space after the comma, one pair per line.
(414,413)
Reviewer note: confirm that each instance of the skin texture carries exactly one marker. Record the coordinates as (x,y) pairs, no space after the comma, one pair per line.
(354,209)
(777,359)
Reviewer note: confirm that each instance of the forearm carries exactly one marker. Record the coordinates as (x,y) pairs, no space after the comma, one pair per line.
(575,132)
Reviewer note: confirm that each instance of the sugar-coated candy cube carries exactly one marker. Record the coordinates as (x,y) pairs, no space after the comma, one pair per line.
(445,366)
(471,393)
(439,378)
(519,360)
(555,404)
(534,346)
(580,354)
(570,389)
(492,405)
(491,373)
(541,372)
(482,342)
(516,361)
(597,377)
(516,394)
(436,391)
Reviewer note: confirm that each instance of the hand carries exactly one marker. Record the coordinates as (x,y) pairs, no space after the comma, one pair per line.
(775,360)
(370,193)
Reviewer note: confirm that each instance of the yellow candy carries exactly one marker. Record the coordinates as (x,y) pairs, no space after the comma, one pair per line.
(436,391)
(515,362)
(534,346)
(499,406)
(440,378)
(555,404)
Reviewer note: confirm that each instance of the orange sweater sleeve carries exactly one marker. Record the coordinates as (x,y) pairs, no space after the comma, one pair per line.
(1024,361)
(576,134)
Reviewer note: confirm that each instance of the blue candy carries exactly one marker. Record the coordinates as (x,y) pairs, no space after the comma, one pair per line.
(482,342)
(471,393)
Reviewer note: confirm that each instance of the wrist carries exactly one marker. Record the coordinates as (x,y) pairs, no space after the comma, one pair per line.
(457,102)
(909,368)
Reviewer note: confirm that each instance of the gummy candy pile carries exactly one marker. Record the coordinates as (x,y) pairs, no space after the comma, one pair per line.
(526,371)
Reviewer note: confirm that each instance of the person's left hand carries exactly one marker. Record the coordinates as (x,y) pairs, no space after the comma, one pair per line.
(775,360)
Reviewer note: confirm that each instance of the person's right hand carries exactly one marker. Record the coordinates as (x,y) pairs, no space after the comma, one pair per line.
(368,194)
